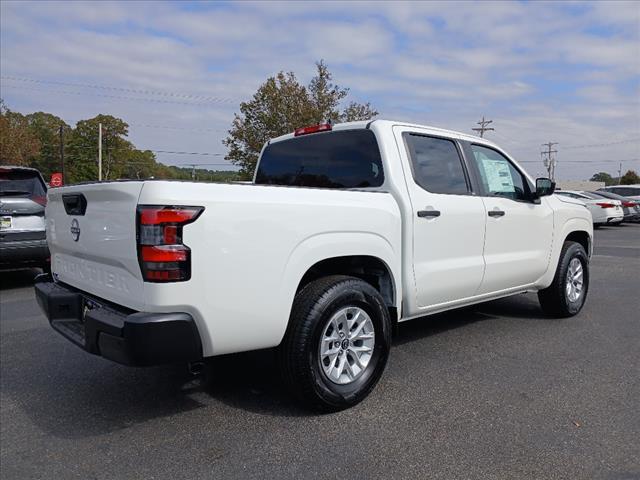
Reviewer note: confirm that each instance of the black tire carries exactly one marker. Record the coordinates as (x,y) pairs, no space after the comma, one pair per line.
(298,354)
(554,299)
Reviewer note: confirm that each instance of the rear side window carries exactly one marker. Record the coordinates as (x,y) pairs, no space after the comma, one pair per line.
(437,166)
(21,183)
(342,159)
(592,196)
(626,191)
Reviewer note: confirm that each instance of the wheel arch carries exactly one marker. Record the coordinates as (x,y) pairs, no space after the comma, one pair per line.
(575,229)
(365,255)
(582,237)
(371,269)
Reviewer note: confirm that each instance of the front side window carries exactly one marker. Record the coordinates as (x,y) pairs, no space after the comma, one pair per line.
(498,175)
(437,166)
(340,159)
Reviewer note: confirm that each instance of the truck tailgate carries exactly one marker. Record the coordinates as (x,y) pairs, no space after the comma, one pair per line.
(94,248)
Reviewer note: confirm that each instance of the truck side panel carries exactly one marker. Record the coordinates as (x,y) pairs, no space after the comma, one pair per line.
(251,247)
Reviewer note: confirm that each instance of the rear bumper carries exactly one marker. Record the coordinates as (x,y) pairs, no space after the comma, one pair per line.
(23,253)
(121,335)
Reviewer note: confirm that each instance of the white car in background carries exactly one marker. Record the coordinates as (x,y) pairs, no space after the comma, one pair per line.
(603,210)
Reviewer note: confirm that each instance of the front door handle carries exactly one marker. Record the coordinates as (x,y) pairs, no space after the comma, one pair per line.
(428,213)
(496,213)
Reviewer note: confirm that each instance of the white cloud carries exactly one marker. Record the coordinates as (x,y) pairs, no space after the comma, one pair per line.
(542,70)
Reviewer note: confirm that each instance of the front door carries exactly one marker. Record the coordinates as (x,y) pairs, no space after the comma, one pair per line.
(519,230)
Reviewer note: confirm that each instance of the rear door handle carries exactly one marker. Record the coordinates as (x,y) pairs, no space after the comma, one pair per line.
(428,213)
(496,213)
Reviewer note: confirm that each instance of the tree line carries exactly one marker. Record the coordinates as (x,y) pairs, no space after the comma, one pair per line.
(35,140)
(629,178)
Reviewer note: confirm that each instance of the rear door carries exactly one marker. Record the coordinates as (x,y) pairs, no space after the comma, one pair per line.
(91,231)
(448,220)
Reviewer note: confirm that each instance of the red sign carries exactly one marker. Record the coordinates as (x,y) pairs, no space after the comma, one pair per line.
(56,179)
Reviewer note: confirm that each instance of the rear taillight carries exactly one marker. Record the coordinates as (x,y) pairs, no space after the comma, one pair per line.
(42,200)
(162,255)
(628,204)
(605,205)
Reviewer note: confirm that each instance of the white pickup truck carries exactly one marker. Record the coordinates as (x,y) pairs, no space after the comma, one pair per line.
(345,231)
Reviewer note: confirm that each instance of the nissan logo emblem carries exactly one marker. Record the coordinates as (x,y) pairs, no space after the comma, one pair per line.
(75,230)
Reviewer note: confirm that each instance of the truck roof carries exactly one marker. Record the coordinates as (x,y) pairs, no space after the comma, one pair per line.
(390,123)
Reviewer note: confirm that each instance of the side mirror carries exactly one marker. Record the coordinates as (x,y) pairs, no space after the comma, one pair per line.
(544,187)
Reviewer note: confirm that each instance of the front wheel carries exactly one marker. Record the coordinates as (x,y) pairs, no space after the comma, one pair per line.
(337,343)
(567,293)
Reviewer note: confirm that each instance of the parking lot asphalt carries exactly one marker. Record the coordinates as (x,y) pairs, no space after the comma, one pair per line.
(497,391)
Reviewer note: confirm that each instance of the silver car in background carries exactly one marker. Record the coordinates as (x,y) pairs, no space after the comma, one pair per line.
(631,192)
(23,196)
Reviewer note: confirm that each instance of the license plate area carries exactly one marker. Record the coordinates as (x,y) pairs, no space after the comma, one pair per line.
(5,223)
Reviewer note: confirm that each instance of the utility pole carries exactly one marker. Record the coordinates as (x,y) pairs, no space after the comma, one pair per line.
(61,129)
(193,172)
(483,126)
(100,152)
(550,160)
(620,174)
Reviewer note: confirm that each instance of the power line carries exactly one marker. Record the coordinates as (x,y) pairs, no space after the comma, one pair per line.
(188,96)
(91,147)
(154,100)
(483,126)
(185,153)
(593,145)
(586,161)
(185,129)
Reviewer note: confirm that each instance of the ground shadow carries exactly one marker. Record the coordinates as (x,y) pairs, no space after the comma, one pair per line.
(72,394)
(10,279)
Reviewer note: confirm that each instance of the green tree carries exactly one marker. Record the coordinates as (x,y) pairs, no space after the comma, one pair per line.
(630,178)
(282,104)
(83,148)
(46,128)
(137,164)
(18,145)
(602,177)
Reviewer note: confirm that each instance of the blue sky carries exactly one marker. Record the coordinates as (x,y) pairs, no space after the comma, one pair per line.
(562,72)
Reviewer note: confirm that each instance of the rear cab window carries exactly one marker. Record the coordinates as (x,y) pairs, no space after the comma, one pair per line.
(339,159)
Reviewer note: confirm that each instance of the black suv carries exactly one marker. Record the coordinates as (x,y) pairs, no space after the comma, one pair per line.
(23,195)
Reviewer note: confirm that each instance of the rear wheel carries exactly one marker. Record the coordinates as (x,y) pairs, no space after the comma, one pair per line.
(565,297)
(337,343)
